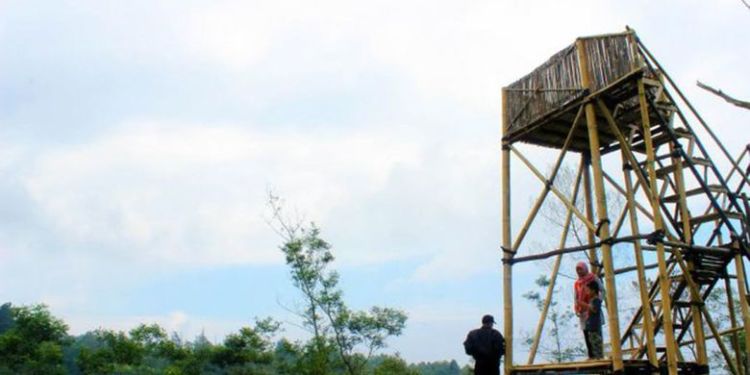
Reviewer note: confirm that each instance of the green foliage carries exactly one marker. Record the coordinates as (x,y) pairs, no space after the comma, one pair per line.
(352,335)
(343,341)
(440,368)
(333,324)
(32,340)
(394,365)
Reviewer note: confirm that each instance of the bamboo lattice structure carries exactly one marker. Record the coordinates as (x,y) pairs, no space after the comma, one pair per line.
(607,103)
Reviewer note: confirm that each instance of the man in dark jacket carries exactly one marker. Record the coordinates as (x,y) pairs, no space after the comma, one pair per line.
(487,346)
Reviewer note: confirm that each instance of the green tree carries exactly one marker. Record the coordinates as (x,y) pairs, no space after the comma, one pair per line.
(335,327)
(32,341)
(250,350)
(394,365)
(439,368)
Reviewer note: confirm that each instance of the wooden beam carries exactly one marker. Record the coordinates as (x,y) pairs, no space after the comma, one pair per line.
(554,190)
(506,238)
(602,216)
(543,195)
(648,325)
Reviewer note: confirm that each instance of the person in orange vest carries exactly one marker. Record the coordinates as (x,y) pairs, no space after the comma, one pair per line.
(583,299)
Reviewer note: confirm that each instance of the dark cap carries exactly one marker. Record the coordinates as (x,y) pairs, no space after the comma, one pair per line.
(487,319)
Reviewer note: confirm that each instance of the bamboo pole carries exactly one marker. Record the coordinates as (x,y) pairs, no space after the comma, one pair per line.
(731,331)
(712,327)
(628,155)
(733,321)
(556,191)
(699,335)
(744,309)
(692,110)
(601,210)
(659,225)
(589,205)
(555,270)
(623,191)
(543,195)
(650,192)
(648,324)
(506,238)
(717,336)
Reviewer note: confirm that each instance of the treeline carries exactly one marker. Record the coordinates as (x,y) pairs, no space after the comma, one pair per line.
(342,340)
(33,341)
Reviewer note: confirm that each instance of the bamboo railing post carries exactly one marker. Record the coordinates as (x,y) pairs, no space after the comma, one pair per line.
(506,238)
(601,210)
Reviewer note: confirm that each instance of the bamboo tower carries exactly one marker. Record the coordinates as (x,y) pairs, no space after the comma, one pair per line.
(606,103)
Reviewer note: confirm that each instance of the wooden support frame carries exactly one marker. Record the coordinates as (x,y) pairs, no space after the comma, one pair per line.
(666,335)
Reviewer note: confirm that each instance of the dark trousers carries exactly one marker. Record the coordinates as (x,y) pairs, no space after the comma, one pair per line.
(482,367)
(593,343)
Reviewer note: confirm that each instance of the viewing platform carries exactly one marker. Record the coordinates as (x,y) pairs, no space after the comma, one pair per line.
(542,106)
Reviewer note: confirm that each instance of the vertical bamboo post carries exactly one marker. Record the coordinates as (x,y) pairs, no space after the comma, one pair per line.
(733,320)
(699,335)
(742,291)
(601,210)
(589,202)
(506,238)
(648,323)
(666,299)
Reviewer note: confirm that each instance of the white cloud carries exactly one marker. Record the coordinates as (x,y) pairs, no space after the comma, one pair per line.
(229,34)
(195,195)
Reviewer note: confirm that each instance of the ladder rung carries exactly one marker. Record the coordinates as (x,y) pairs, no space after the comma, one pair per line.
(663,172)
(712,188)
(711,217)
(661,138)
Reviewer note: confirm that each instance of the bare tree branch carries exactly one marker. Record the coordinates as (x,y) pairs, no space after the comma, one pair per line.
(721,94)
(746,4)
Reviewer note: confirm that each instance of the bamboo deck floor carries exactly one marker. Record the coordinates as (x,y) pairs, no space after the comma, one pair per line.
(604,366)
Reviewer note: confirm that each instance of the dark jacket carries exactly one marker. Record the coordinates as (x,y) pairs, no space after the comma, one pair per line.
(487,346)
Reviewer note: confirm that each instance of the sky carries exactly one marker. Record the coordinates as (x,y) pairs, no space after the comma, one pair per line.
(139,141)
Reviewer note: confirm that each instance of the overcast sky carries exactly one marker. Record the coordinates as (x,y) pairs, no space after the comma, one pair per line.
(138,141)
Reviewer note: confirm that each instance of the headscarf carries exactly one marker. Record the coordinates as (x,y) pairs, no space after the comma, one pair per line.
(580,285)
